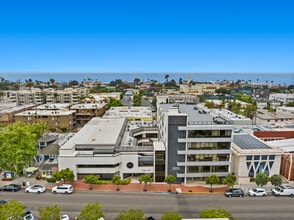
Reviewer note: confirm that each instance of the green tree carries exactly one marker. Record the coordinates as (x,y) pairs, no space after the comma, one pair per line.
(91,179)
(66,175)
(113,103)
(49,212)
(171,215)
(212,180)
(146,178)
(229,180)
(132,214)
(12,209)
(261,179)
(18,145)
(169,179)
(215,213)
(116,179)
(91,212)
(276,180)
(166,78)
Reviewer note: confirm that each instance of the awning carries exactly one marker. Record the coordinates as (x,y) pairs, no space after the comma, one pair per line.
(31,169)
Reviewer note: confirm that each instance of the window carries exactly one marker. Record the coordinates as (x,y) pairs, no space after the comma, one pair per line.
(271,157)
(264,157)
(256,157)
(249,157)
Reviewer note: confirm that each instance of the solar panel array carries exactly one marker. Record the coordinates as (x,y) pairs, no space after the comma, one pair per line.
(247,142)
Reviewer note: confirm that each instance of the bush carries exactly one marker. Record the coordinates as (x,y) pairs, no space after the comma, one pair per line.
(51,180)
(126,181)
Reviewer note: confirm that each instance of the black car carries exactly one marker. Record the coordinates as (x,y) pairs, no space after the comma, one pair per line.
(10,187)
(234,192)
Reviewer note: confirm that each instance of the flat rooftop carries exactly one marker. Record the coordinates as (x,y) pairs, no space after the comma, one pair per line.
(97,132)
(248,142)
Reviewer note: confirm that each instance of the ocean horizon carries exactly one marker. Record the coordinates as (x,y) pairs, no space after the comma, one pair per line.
(271,78)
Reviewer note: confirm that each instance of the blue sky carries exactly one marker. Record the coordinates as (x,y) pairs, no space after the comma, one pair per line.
(147,36)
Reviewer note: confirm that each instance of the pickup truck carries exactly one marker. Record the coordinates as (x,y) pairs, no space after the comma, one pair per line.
(283,190)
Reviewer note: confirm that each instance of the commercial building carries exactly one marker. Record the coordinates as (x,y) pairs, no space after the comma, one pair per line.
(252,156)
(103,147)
(196,143)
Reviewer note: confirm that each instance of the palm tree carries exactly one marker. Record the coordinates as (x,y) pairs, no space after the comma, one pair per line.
(166,78)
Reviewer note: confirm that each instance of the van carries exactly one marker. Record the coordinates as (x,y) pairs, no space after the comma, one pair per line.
(283,190)
(63,188)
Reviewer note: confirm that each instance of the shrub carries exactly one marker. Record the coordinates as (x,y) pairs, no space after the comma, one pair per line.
(51,180)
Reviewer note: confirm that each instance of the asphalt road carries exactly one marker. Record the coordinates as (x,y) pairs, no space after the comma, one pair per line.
(188,205)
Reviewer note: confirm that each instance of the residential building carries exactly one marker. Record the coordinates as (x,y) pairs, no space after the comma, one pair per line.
(7,114)
(56,120)
(283,98)
(280,117)
(85,112)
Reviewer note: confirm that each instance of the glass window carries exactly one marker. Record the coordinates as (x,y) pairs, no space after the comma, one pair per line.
(271,157)
(264,157)
(249,157)
(256,157)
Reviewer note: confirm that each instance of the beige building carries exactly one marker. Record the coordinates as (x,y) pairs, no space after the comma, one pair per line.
(7,115)
(132,113)
(252,156)
(56,120)
(85,112)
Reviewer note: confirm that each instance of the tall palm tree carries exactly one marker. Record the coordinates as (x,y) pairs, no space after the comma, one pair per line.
(166,78)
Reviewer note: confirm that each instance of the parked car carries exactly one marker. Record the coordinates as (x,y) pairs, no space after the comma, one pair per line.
(63,188)
(35,189)
(257,192)
(28,216)
(10,187)
(283,190)
(64,217)
(234,192)
(2,202)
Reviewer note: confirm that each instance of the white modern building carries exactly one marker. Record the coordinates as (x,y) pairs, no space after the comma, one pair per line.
(252,156)
(103,147)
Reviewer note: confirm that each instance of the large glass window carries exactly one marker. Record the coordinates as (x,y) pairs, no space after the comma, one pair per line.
(209,146)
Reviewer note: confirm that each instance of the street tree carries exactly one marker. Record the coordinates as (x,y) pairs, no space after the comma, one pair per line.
(276,180)
(116,179)
(12,209)
(169,179)
(229,180)
(66,175)
(91,179)
(18,145)
(146,178)
(171,215)
(91,211)
(261,179)
(49,212)
(212,180)
(215,213)
(131,214)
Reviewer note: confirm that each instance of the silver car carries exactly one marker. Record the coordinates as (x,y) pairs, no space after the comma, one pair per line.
(35,189)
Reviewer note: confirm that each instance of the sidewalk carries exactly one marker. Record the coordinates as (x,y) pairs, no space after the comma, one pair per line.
(132,187)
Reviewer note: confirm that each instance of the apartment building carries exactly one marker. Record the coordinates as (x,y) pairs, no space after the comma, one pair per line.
(196,143)
(85,112)
(56,120)
(7,114)
(282,98)
(281,117)
(132,113)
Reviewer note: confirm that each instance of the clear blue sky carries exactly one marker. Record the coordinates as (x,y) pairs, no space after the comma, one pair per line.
(147,36)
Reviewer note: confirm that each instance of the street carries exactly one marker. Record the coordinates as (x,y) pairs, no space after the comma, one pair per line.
(154,204)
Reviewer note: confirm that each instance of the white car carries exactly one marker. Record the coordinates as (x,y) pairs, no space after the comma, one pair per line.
(63,188)
(64,217)
(35,189)
(257,192)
